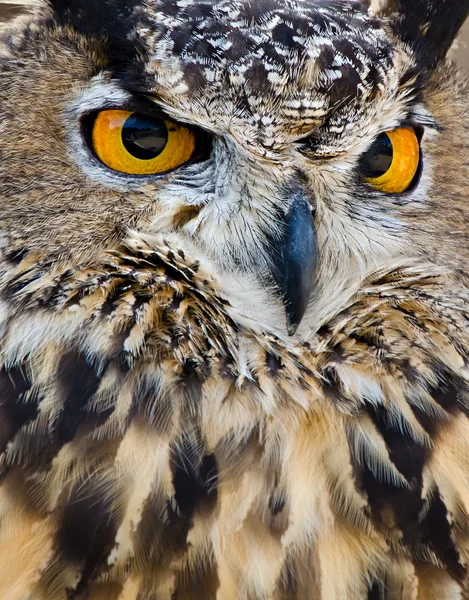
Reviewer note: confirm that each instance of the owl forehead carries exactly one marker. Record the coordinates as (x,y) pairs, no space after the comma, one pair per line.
(238,59)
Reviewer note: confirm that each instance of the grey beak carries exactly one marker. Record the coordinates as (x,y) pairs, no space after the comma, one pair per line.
(294,261)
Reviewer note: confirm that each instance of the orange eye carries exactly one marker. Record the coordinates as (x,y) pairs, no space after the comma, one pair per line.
(391,163)
(138,144)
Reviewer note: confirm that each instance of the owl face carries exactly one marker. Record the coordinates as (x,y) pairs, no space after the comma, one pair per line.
(282,144)
(234,252)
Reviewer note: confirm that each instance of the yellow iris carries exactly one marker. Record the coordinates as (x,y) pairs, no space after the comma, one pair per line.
(140,145)
(404,165)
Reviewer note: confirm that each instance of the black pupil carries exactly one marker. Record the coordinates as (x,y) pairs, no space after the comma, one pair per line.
(377,160)
(144,137)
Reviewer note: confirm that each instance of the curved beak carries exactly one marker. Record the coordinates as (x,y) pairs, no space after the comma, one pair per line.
(294,260)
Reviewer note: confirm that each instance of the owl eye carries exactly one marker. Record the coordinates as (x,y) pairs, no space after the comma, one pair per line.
(392,162)
(138,144)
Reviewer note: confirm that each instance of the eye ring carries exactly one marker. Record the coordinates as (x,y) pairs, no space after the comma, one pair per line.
(137,144)
(392,162)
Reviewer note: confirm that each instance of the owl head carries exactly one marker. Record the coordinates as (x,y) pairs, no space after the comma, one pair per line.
(293,149)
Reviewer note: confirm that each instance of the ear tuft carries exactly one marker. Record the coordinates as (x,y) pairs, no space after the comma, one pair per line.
(429,26)
(115,24)
(96,17)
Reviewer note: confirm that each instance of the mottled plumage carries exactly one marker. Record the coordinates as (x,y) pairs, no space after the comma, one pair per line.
(165,432)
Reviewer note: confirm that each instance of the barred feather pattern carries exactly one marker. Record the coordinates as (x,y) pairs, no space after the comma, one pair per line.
(156,445)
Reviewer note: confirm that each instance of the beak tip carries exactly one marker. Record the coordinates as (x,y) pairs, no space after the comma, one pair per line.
(291,328)
(295,314)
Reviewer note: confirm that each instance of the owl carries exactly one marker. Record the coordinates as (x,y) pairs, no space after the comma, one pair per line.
(234,301)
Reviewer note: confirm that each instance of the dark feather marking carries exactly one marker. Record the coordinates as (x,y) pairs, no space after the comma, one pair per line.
(79,382)
(162,533)
(409,458)
(407,503)
(452,392)
(228,369)
(288,585)
(195,476)
(176,301)
(114,297)
(14,257)
(14,411)
(172,272)
(428,422)
(192,378)
(375,592)
(436,532)
(331,386)
(88,530)
(277,501)
(385,589)
(18,283)
(273,363)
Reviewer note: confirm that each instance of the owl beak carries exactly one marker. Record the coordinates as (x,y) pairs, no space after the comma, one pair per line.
(295,261)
